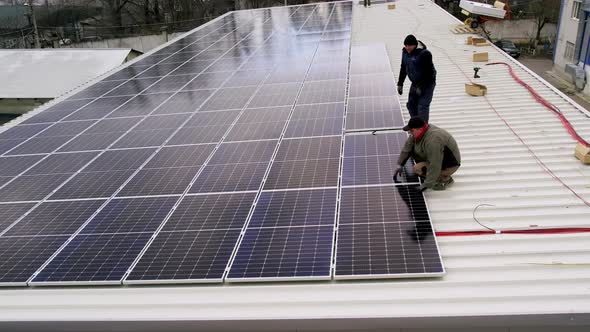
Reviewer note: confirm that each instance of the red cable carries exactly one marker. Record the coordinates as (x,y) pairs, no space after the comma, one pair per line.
(545,168)
(569,230)
(545,103)
(555,110)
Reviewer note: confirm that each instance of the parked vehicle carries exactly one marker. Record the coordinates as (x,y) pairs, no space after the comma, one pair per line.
(508,47)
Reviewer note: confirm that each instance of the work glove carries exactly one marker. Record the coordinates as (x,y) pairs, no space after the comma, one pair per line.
(400,89)
(398,173)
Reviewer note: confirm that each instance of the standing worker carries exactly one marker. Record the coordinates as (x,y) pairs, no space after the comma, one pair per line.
(435,152)
(417,64)
(367,3)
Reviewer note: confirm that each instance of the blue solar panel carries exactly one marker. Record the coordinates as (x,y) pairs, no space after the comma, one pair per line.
(55,218)
(291,252)
(197,241)
(10,213)
(102,258)
(12,166)
(372,159)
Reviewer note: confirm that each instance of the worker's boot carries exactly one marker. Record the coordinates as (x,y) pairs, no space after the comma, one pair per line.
(443,184)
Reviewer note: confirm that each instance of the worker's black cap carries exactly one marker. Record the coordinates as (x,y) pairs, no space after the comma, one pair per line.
(415,122)
(410,40)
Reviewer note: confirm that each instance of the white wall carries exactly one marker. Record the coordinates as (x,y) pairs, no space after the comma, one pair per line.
(568,32)
(139,43)
(518,30)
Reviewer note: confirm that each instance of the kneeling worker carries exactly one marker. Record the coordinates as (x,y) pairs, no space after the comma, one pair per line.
(435,152)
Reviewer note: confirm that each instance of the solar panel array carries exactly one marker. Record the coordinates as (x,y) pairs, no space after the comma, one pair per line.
(221,156)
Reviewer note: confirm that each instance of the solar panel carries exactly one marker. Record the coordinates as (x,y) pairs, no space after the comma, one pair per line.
(140,105)
(98,259)
(31,188)
(374,120)
(39,145)
(10,213)
(12,166)
(372,85)
(98,108)
(385,232)
(144,138)
(372,159)
(62,163)
(55,218)
(23,131)
(8,144)
(130,215)
(91,142)
(93,184)
(323,92)
(22,256)
(230,177)
(238,123)
(197,241)
(275,253)
(160,181)
(316,120)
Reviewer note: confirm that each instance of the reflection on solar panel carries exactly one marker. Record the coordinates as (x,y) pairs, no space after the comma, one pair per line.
(373,102)
(219,156)
(385,232)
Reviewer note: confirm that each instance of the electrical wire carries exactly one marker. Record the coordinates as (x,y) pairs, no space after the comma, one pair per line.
(545,103)
(477,221)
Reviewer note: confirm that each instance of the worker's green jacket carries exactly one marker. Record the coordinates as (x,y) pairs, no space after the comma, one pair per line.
(437,147)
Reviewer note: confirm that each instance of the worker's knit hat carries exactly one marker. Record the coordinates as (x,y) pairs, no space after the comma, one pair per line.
(414,123)
(410,40)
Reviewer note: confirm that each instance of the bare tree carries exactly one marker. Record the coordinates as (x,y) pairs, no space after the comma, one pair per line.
(543,12)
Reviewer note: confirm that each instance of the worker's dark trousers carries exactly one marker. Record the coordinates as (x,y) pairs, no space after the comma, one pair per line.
(419,104)
(367,3)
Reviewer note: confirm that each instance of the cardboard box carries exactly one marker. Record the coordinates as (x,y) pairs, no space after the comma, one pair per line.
(480,57)
(469,41)
(476,40)
(390,6)
(583,153)
(474,89)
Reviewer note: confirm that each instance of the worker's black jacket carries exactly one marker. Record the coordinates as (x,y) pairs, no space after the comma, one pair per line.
(418,66)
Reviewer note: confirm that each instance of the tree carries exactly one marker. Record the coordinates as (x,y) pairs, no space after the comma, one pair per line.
(543,12)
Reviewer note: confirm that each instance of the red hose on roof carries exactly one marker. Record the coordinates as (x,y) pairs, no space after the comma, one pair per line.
(545,103)
(569,230)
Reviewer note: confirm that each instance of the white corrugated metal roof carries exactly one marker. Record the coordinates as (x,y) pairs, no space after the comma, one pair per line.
(49,73)
(498,280)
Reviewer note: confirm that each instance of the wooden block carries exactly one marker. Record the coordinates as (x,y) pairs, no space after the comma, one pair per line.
(461,29)
(583,153)
(390,6)
(474,89)
(481,44)
(480,57)
(469,40)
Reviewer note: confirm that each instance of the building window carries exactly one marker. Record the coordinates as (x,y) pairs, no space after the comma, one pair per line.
(569,51)
(576,10)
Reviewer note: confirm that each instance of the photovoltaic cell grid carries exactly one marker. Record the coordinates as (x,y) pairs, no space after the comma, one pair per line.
(385,232)
(290,234)
(163,99)
(373,102)
(203,114)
